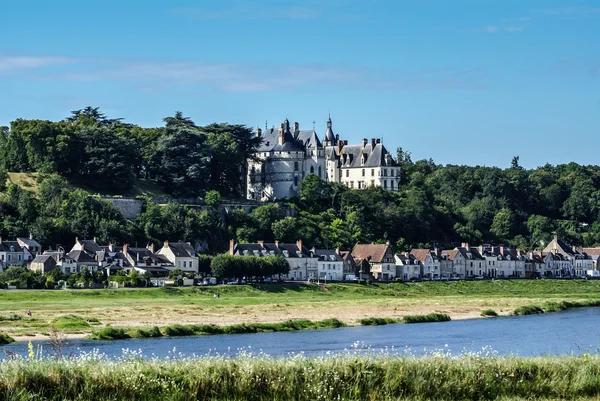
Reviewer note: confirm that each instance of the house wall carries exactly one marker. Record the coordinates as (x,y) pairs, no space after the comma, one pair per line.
(330,270)
(373,176)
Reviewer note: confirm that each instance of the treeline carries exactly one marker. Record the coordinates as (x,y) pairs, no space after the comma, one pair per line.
(435,204)
(107,154)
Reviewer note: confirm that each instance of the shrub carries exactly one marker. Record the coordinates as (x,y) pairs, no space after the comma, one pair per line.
(152,332)
(377,321)
(110,333)
(527,310)
(6,339)
(432,317)
(178,330)
(70,322)
(489,313)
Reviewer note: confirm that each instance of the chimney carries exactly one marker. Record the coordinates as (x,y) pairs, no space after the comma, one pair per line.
(313,250)
(231,246)
(502,249)
(111,248)
(387,242)
(137,258)
(465,245)
(276,244)
(150,247)
(94,239)
(166,244)
(258,132)
(281,137)
(296,127)
(261,243)
(30,236)
(378,140)
(299,245)
(372,143)
(364,142)
(337,250)
(125,249)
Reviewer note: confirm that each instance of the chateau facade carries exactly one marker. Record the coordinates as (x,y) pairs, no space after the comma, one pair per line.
(287,155)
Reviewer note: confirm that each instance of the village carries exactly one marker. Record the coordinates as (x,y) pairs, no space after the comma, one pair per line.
(370,262)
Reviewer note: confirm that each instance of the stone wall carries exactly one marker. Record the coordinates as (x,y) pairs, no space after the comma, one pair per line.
(130,208)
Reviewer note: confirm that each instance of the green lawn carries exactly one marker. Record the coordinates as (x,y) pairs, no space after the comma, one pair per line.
(277,303)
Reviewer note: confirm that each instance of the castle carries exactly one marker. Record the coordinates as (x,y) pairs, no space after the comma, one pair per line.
(287,155)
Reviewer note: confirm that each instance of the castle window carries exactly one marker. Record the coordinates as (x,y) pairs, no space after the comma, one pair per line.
(384,184)
(295,181)
(312,170)
(295,166)
(319,171)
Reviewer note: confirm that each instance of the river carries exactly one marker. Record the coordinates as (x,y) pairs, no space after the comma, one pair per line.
(560,333)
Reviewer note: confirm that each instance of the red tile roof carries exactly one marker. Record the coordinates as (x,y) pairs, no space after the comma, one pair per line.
(420,254)
(375,251)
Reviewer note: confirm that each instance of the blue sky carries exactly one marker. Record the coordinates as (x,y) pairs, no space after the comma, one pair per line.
(459,81)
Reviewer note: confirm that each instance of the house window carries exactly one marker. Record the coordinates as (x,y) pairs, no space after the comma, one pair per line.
(9,257)
(351,184)
(372,183)
(363,172)
(295,166)
(372,172)
(296,181)
(384,184)
(184,263)
(385,172)
(19,257)
(312,170)
(347,173)
(319,171)
(392,184)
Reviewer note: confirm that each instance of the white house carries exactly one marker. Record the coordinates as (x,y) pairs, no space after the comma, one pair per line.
(330,264)
(429,263)
(407,267)
(579,262)
(181,254)
(13,254)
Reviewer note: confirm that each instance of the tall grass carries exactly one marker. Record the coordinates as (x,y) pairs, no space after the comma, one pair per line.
(489,313)
(430,318)
(552,306)
(350,377)
(178,330)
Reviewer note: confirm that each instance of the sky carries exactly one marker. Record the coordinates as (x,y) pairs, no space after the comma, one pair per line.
(460,81)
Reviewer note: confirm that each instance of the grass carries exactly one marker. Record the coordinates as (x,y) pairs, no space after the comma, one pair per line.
(274,303)
(179,330)
(72,322)
(345,377)
(553,306)
(489,313)
(27,181)
(6,339)
(430,318)
(378,321)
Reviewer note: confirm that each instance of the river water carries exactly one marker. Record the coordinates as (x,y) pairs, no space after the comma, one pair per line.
(560,333)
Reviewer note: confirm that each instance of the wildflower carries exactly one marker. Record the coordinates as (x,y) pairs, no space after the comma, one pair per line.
(30,349)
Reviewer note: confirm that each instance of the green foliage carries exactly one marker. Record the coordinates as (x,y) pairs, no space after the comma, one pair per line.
(110,333)
(430,318)
(212,198)
(248,266)
(70,322)
(378,321)
(527,310)
(6,339)
(489,313)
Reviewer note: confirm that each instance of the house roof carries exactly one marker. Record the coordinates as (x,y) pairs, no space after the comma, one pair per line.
(29,242)
(182,249)
(376,252)
(368,156)
(5,246)
(451,253)
(42,259)
(80,256)
(90,245)
(328,255)
(421,254)
(592,251)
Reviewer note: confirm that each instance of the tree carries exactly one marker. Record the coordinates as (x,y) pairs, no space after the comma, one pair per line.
(175,274)
(285,229)
(515,163)
(503,224)
(212,198)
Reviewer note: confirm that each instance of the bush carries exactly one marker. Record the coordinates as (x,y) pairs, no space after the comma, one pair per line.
(178,330)
(527,310)
(110,333)
(432,317)
(489,313)
(377,321)
(152,332)
(70,322)
(6,339)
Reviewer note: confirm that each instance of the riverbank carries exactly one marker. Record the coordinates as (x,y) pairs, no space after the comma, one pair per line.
(272,304)
(344,377)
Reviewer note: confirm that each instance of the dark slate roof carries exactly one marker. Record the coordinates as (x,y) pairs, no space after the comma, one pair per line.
(270,248)
(328,255)
(80,256)
(352,156)
(182,249)
(5,246)
(42,259)
(406,260)
(90,245)
(309,139)
(470,253)
(163,259)
(29,242)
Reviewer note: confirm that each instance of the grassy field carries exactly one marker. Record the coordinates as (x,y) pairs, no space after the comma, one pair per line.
(343,377)
(141,186)
(276,303)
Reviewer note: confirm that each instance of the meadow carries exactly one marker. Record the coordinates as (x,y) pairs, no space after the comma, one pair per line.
(91,310)
(350,376)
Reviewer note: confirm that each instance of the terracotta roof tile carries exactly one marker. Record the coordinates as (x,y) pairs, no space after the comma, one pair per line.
(375,251)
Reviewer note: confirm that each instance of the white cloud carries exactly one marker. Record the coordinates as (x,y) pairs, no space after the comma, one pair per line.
(20,63)
(490,28)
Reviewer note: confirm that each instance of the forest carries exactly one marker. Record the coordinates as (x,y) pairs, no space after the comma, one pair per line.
(436,205)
